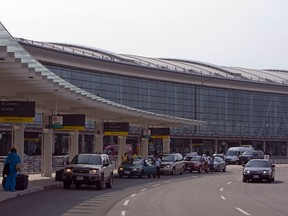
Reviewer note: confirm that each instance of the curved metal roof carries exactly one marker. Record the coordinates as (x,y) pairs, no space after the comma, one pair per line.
(24,78)
(267,76)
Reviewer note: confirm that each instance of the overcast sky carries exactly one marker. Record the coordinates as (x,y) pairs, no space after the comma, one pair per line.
(238,33)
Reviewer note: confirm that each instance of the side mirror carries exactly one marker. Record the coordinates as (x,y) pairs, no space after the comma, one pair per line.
(243,165)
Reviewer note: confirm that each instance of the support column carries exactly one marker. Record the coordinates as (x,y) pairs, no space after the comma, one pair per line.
(166,145)
(18,137)
(216,146)
(82,144)
(121,148)
(74,143)
(48,143)
(98,134)
(144,147)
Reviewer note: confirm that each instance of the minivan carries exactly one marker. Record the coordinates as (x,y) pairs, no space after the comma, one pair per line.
(234,152)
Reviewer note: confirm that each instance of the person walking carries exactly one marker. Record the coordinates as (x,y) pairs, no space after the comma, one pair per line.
(12,159)
(157,164)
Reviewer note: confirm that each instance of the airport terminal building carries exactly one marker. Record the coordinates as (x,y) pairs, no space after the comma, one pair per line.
(239,106)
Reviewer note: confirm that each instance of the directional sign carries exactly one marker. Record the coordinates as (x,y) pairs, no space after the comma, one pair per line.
(163,133)
(116,128)
(17,111)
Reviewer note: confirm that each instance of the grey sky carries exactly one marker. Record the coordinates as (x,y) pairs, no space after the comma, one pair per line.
(240,33)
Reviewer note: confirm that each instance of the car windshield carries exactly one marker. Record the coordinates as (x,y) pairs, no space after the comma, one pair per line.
(87,159)
(167,158)
(136,161)
(232,153)
(258,163)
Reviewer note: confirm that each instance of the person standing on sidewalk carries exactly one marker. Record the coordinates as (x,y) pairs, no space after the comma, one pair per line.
(12,159)
(157,164)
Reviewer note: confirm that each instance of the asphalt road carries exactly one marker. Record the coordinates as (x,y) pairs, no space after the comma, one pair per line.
(202,194)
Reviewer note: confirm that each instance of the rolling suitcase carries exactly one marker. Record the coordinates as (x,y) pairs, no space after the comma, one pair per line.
(21,182)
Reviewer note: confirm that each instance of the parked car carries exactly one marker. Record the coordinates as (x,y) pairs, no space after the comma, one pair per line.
(197,163)
(250,154)
(89,169)
(172,163)
(259,169)
(219,164)
(137,167)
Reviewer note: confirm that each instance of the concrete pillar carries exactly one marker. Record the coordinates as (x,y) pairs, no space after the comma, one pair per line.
(216,146)
(121,149)
(48,142)
(82,143)
(144,147)
(18,138)
(98,134)
(74,143)
(166,145)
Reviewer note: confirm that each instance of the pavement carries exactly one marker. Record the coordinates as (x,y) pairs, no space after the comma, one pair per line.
(36,183)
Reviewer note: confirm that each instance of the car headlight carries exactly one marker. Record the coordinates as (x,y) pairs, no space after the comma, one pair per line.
(167,166)
(267,172)
(246,171)
(121,168)
(68,170)
(93,171)
(135,169)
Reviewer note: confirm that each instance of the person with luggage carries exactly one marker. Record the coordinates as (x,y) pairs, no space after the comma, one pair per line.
(12,159)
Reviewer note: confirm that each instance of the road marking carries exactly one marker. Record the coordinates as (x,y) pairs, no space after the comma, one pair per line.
(155,185)
(228,183)
(221,189)
(239,179)
(167,182)
(244,212)
(143,189)
(126,202)
(123,213)
(222,197)
(133,195)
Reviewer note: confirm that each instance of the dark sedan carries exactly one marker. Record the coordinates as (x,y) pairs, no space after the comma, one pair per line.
(258,170)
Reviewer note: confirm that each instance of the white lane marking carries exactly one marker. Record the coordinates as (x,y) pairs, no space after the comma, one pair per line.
(126,202)
(228,183)
(221,189)
(133,195)
(244,212)
(239,179)
(222,197)
(123,213)
(167,182)
(143,189)
(155,185)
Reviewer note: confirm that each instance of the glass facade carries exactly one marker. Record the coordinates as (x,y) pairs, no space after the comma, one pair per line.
(227,112)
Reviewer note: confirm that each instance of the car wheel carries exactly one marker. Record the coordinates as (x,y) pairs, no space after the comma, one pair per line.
(218,169)
(244,180)
(100,183)
(67,184)
(110,182)
(224,170)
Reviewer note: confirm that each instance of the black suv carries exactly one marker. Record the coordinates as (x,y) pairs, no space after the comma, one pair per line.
(250,154)
(89,169)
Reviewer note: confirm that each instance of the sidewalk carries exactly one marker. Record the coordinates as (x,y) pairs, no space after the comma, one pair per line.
(36,183)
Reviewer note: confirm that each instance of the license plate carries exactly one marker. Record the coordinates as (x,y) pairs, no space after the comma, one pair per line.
(256,176)
(127,172)
(80,178)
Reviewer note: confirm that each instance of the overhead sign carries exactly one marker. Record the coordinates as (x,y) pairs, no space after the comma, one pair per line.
(69,122)
(116,128)
(146,133)
(162,133)
(17,111)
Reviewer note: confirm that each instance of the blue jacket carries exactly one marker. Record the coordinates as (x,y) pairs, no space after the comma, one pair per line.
(12,159)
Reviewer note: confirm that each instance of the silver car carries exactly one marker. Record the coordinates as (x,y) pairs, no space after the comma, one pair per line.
(172,163)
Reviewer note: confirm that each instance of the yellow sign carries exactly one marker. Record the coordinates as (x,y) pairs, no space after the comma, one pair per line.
(116,133)
(16,119)
(71,128)
(161,137)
